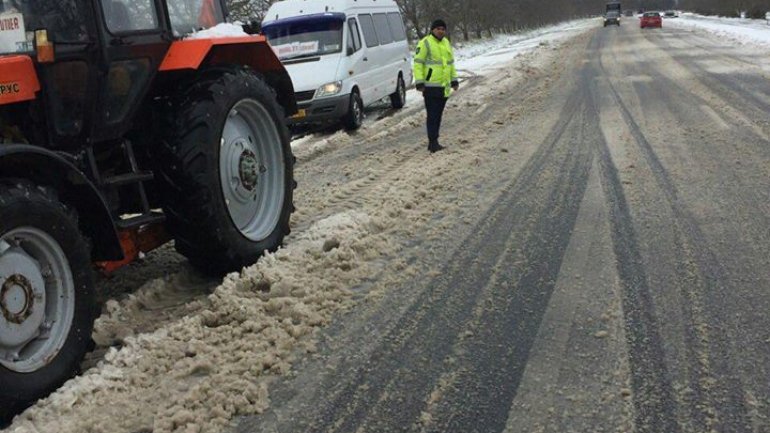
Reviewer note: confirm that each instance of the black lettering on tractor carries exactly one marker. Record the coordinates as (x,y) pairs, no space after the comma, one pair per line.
(9,88)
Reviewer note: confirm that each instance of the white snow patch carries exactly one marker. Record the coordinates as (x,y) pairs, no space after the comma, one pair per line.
(741,30)
(221,30)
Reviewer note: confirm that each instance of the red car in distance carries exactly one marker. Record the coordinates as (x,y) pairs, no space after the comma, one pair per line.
(651,19)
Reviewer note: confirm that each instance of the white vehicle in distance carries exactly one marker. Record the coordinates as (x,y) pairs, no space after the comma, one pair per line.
(342,55)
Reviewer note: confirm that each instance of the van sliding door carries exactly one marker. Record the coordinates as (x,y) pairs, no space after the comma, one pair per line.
(370,63)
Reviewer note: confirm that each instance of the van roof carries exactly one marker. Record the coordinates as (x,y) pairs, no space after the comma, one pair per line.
(292,8)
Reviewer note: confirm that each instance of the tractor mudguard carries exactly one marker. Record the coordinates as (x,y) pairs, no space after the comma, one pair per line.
(42,166)
(19,79)
(252,51)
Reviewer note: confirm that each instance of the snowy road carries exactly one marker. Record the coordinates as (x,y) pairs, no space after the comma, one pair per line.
(589,254)
(609,274)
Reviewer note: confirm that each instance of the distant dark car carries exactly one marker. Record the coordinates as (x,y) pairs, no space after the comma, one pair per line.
(612,17)
(650,19)
(628,13)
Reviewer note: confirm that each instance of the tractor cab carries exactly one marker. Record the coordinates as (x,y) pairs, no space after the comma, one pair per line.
(97,58)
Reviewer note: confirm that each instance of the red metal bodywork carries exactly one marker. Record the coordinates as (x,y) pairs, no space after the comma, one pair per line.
(136,241)
(18,79)
(192,53)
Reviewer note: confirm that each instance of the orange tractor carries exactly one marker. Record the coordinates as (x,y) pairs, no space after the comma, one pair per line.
(118,134)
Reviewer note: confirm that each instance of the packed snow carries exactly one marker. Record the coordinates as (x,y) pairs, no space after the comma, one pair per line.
(221,30)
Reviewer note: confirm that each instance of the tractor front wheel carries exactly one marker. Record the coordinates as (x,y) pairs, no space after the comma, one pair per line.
(46,294)
(227,170)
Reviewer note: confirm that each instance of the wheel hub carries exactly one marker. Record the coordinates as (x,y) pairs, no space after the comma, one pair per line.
(248,170)
(16,298)
(22,300)
(251,168)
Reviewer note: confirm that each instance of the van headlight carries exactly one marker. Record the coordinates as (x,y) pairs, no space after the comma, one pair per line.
(329,89)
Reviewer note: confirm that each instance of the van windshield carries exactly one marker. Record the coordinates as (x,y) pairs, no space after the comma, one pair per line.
(306,36)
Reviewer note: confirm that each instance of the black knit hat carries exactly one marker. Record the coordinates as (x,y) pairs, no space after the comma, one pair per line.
(437,23)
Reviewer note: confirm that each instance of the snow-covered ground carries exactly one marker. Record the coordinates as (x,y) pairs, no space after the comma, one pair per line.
(741,30)
(201,368)
(476,58)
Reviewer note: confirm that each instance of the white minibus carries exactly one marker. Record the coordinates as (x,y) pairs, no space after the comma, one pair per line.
(342,55)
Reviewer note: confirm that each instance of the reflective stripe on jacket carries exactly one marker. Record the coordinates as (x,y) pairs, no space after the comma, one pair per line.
(434,64)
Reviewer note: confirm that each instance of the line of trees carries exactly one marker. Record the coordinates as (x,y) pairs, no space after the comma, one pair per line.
(465,18)
(477,18)
(729,8)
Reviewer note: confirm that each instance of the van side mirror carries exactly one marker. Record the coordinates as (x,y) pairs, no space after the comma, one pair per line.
(350,51)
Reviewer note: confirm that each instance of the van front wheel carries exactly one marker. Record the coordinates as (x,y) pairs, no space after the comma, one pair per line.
(398,99)
(355,116)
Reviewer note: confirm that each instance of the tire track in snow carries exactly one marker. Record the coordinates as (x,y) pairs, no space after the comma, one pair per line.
(726,396)
(369,394)
(490,363)
(357,189)
(652,393)
(731,88)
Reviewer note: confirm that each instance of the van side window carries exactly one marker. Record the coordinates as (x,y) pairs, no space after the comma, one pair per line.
(382,28)
(354,39)
(396,26)
(370,36)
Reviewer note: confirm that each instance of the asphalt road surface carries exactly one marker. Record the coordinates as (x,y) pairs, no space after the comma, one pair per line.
(605,268)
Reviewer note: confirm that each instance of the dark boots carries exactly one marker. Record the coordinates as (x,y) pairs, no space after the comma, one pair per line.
(434,147)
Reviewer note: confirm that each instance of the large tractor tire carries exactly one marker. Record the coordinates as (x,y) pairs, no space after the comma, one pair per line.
(46,295)
(226,170)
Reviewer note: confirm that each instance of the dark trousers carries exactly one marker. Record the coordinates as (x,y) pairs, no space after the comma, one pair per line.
(434,106)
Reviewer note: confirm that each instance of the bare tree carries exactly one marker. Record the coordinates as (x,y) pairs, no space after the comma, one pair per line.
(248,11)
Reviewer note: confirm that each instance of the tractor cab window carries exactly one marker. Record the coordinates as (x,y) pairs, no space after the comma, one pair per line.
(188,16)
(65,21)
(129,15)
(67,95)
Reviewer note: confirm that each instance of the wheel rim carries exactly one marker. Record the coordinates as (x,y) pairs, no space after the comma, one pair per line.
(37,299)
(401,90)
(251,168)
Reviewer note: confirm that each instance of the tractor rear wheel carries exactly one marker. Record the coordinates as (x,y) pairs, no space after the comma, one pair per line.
(226,170)
(46,294)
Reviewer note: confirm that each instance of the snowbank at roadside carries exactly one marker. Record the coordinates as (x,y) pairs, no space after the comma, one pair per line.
(742,30)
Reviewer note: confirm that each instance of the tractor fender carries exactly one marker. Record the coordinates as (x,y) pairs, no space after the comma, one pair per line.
(251,51)
(52,169)
(19,82)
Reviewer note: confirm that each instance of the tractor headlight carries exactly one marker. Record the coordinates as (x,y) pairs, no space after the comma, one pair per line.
(329,89)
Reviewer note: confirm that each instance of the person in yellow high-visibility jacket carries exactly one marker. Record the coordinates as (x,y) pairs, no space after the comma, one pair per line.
(435,76)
